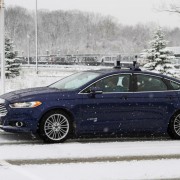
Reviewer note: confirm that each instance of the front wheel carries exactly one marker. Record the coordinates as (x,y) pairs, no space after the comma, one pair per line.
(174,127)
(55,127)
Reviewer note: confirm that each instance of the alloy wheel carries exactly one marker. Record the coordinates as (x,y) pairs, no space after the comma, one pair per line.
(56,127)
(177,125)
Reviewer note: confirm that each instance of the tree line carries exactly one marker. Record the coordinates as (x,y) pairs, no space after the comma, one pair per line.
(72,32)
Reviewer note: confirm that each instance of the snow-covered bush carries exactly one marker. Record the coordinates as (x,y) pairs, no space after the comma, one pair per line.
(12,66)
(157,57)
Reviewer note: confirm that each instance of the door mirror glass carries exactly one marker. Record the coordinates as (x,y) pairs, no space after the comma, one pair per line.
(96,90)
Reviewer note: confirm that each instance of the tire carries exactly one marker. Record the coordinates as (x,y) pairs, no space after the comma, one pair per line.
(55,127)
(174,127)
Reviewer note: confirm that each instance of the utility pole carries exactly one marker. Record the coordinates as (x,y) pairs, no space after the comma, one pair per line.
(36,30)
(2,42)
(28,47)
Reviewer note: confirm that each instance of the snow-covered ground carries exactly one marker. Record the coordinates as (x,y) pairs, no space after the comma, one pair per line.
(24,158)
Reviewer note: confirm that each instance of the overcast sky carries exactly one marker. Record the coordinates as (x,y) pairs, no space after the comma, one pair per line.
(125,11)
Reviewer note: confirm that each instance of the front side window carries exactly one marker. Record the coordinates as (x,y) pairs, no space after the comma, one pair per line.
(115,83)
(150,83)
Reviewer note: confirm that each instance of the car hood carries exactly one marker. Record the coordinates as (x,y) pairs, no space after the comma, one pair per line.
(25,93)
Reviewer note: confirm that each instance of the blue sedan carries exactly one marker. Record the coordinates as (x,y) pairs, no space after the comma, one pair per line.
(102,102)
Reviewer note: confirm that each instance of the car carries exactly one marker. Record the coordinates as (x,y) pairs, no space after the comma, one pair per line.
(96,102)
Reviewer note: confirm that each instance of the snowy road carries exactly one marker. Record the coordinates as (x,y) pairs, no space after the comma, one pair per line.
(19,149)
(21,157)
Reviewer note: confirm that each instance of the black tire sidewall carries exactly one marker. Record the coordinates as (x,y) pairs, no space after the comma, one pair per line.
(42,122)
(171,131)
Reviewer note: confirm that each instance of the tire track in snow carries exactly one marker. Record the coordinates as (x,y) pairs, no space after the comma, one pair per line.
(91,159)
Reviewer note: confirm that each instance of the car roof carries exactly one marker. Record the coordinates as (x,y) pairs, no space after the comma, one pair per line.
(111,71)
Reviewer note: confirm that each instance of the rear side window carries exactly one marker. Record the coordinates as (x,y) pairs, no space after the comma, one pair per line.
(150,83)
(175,85)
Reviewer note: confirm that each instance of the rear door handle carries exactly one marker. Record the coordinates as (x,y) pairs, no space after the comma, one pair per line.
(125,97)
(169,97)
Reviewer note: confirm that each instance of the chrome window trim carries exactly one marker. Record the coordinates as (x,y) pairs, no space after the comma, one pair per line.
(104,78)
(158,76)
(135,92)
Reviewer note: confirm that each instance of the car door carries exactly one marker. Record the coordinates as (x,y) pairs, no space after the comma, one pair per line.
(153,104)
(105,112)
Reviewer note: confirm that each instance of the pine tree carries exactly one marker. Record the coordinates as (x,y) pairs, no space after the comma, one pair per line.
(158,58)
(12,66)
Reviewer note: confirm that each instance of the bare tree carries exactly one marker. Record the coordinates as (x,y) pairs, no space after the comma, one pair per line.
(173,7)
(76,31)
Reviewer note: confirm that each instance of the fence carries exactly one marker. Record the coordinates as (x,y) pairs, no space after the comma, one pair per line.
(85,59)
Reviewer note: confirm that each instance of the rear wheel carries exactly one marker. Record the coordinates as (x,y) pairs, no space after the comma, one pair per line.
(174,127)
(55,127)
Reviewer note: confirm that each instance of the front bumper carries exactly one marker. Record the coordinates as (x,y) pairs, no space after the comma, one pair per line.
(8,124)
(29,118)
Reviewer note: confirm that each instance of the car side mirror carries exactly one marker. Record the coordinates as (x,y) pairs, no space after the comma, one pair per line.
(95,90)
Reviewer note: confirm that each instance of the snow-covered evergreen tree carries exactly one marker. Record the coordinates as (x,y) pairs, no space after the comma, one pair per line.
(12,66)
(158,58)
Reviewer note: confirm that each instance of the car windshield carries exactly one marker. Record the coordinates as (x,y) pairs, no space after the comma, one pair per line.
(75,81)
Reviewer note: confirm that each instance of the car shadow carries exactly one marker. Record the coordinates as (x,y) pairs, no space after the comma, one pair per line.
(13,138)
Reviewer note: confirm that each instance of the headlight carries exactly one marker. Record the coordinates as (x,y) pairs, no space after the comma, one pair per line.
(26,104)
